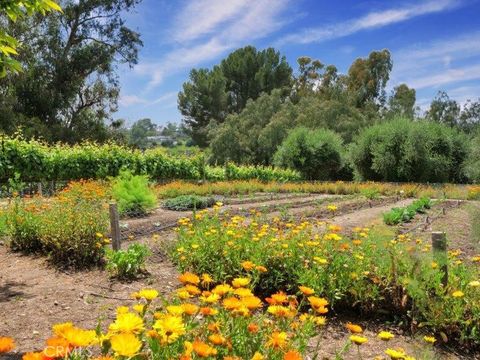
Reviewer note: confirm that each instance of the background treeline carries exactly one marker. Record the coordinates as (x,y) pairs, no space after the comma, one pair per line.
(253,108)
(32,161)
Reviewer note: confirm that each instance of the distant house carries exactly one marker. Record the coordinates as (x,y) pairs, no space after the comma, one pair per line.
(162,139)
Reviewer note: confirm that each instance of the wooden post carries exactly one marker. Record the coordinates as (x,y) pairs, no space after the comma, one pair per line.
(115,226)
(439,249)
(40,190)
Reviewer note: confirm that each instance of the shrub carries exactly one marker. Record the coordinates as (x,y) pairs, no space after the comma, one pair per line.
(316,154)
(189,202)
(133,194)
(472,164)
(406,150)
(65,227)
(127,264)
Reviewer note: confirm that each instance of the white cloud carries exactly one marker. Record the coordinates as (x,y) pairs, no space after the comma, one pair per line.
(370,21)
(129,100)
(256,19)
(438,63)
(201,17)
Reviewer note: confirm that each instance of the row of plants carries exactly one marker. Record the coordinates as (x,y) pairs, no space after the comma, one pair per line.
(208,320)
(189,202)
(36,161)
(369,189)
(67,227)
(404,214)
(373,272)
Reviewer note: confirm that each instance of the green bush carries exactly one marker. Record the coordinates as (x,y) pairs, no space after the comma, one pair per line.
(472,164)
(189,202)
(127,264)
(316,154)
(133,194)
(406,150)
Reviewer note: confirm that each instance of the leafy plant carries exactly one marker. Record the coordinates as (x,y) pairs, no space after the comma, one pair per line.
(127,264)
(133,194)
(398,215)
(189,202)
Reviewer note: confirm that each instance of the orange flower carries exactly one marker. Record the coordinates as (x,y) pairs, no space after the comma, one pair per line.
(189,278)
(35,356)
(202,349)
(206,311)
(248,265)
(277,340)
(292,355)
(252,328)
(354,329)
(56,347)
(217,339)
(251,302)
(6,344)
(277,299)
(306,290)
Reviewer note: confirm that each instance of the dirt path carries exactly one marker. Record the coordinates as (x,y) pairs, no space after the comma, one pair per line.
(34,295)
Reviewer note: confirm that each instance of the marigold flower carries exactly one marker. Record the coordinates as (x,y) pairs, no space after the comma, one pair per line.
(261,268)
(458,294)
(277,340)
(208,311)
(189,278)
(34,356)
(189,309)
(258,356)
(203,350)
(248,265)
(126,344)
(222,289)
(280,311)
(169,328)
(429,339)
(57,348)
(79,338)
(292,355)
(176,310)
(252,328)
(7,344)
(358,340)
(354,328)
(395,353)
(206,279)
(385,335)
(251,302)
(306,290)
(243,292)
(148,294)
(217,339)
(240,282)
(277,299)
(127,323)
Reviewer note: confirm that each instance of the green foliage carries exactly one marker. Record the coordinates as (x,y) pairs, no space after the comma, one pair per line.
(472,163)
(189,202)
(133,194)
(69,92)
(405,214)
(405,150)
(210,95)
(127,264)
(66,228)
(14,10)
(33,161)
(316,154)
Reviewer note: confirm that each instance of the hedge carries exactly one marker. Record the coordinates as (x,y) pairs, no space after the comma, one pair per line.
(36,161)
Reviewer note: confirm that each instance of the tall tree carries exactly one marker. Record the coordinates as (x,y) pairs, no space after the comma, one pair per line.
(70,84)
(444,110)
(140,131)
(402,101)
(210,95)
(368,77)
(470,115)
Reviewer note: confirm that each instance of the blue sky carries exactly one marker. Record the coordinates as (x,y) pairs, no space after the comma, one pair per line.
(435,43)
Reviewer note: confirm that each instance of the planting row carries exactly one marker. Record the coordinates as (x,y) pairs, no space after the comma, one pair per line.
(35,161)
(405,214)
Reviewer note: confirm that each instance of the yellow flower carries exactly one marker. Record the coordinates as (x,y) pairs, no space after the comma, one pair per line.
(189,278)
(148,294)
(277,340)
(176,310)
(385,335)
(358,340)
(222,289)
(189,309)
(306,290)
(474,283)
(458,294)
(170,328)
(248,265)
(79,337)
(429,339)
(59,329)
(240,282)
(258,356)
(280,311)
(210,299)
(125,344)
(395,353)
(206,279)
(127,323)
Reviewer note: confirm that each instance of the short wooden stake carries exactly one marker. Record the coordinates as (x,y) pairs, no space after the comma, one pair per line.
(115,226)
(440,255)
(427,220)
(40,190)
(444,211)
